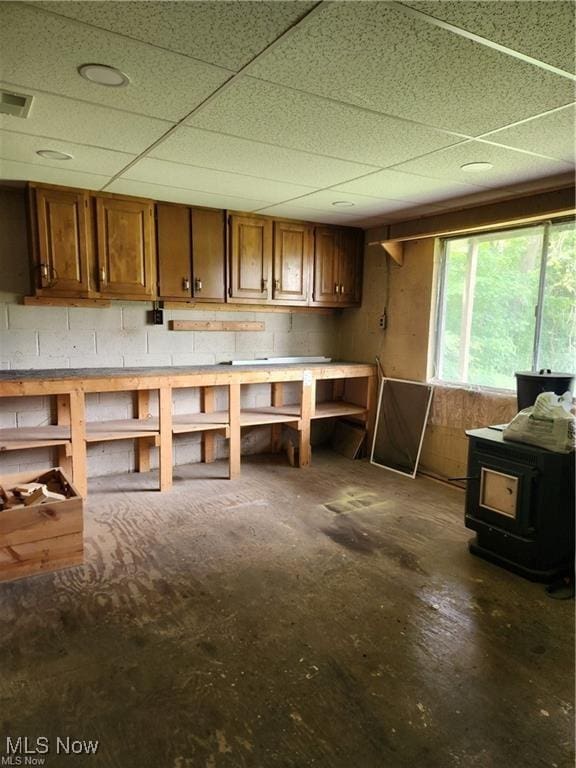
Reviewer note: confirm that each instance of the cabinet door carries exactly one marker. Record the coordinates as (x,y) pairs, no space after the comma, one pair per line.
(250,258)
(326,256)
(349,268)
(208,255)
(125,247)
(293,245)
(174,251)
(63,241)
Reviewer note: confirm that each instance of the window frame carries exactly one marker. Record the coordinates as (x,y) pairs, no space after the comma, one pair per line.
(440,303)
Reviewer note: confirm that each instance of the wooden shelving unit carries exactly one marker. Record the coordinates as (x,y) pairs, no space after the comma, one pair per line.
(353,394)
(19,439)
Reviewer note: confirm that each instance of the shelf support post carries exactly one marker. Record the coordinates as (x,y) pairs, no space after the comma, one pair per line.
(165,411)
(307,408)
(143,444)
(235,435)
(78,440)
(208,438)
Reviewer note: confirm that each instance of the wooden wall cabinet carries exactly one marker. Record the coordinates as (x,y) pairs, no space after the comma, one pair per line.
(61,238)
(191,253)
(293,249)
(98,246)
(208,255)
(250,259)
(337,266)
(125,247)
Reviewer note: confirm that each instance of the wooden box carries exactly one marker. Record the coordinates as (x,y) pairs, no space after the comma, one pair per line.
(40,538)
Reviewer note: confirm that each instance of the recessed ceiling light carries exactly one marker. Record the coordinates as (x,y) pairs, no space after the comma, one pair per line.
(476,167)
(102,74)
(343,204)
(53,154)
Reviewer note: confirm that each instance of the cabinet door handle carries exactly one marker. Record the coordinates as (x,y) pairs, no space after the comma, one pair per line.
(276,284)
(197,284)
(336,288)
(185,284)
(102,274)
(341,288)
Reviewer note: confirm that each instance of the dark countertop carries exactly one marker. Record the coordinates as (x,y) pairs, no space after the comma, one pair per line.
(96,373)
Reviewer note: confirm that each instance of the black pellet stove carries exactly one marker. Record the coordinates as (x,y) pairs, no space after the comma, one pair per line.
(520,502)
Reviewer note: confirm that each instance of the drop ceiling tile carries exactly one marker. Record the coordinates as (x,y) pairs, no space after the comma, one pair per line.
(162,84)
(12,170)
(228,34)
(323,200)
(374,55)
(553,134)
(543,30)
(510,166)
(216,182)
(406,186)
(76,121)
(292,211)
(253,109)
(229,153)
(21,147)
(125,186)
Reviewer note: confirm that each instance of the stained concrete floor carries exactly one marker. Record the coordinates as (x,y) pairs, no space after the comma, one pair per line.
(329,617)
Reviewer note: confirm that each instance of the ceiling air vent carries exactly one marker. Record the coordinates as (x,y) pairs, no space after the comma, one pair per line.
(15,104)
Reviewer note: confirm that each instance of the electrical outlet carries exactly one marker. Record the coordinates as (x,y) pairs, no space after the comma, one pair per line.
(383,321)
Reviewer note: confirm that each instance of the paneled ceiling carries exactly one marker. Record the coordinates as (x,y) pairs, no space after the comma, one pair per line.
(289,108)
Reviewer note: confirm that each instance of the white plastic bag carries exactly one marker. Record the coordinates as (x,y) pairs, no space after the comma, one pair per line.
(549,424)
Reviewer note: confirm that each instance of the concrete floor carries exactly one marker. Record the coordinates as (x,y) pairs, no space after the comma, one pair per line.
(329,617)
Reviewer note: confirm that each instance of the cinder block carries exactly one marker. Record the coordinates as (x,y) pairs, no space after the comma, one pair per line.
(35,403)
(186,400)
(95,318)
(217,343)
(186,314)
(67,343)
(170,342)
(97,361)
(195,358)
(7,418)
(309,322)
(127,342)
(103,461)
(37,318)
(261,342)
(33,418)
(276,321)
(135,316)
(187,449)
(25,362)
(291,343)
(16,343)
(146,361)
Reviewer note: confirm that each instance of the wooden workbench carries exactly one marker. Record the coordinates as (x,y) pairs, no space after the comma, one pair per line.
(353,395)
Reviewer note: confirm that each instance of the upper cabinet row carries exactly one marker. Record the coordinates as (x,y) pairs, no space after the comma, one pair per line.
(95,245)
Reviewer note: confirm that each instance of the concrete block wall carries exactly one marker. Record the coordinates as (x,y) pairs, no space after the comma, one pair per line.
(120,336)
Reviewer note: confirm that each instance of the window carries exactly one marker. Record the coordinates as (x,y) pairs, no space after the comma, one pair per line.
(507,303)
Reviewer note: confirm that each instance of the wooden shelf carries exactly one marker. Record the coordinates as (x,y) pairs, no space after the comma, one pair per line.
(335,408)
(285,414)
(33,437)
(121,429)
(201,422)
